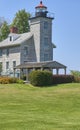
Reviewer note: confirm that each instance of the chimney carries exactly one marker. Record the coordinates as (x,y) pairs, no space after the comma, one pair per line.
(13,30)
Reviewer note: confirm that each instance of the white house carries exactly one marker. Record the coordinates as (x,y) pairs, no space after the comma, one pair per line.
(34,46)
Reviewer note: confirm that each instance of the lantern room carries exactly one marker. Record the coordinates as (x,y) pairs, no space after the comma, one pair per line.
(41,10)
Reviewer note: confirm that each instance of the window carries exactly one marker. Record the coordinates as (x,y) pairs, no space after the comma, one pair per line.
(45,25)
(0,52)
(14,64)
(25,50)
(7,65)
(46,57)
(0,67)
(46,41)
(10,38)
(0,63)
(7,52)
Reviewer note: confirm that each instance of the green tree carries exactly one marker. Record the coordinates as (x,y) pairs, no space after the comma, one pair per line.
(21,21)
(4,31)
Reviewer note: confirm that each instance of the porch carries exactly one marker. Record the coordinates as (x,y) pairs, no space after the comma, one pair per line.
(48,65)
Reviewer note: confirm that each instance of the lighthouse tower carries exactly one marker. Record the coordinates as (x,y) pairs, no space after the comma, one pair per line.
(41,28)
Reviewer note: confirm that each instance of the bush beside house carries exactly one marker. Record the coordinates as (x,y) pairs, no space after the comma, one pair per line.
(59,79)
(45,78)
(41,78)
(8,80)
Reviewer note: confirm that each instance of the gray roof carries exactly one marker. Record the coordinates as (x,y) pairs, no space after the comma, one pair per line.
(18,39)
(47,64)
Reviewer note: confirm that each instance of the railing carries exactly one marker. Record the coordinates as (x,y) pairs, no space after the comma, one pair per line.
(48,15)
(51,15)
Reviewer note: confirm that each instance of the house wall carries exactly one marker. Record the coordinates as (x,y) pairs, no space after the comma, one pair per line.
(14,55)
(28,55)
(18,54)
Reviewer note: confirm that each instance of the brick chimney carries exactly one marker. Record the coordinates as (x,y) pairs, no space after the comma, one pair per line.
(13,30)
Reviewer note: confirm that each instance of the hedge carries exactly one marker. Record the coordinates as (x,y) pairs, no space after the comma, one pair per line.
(58,79)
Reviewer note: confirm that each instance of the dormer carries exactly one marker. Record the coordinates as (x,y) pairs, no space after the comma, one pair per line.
(13,34)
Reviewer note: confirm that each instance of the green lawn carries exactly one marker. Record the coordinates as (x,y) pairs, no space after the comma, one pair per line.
(24,107)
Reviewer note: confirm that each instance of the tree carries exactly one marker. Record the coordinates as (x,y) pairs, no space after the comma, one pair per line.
(21,21)
(4,31)
(2,20)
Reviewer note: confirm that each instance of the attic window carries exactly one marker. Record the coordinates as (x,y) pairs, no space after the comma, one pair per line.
(10,38)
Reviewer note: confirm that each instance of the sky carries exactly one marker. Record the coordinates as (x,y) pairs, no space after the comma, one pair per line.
(65,27)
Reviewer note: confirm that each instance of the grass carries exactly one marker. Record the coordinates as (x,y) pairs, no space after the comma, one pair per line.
(24,107)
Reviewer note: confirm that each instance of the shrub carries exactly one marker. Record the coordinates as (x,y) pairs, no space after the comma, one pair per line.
(40,78)
(20,81)
(12,80)
(76,75)
(4,80)
(23,77)
(7,80)
(58,79)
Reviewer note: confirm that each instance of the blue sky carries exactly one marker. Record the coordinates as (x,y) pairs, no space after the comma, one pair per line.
(66,26)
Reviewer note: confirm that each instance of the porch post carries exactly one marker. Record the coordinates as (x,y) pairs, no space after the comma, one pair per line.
(14,72)
(57,71)
(42,68)
(34,68)
(20,74)
(27,74)
(65,71)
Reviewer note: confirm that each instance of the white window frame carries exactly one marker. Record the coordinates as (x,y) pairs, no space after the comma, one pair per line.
(7,65)
(14,64)
(7,52)
(1,52)
(46,57)
(46,43)
(45,25)
(26,50)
